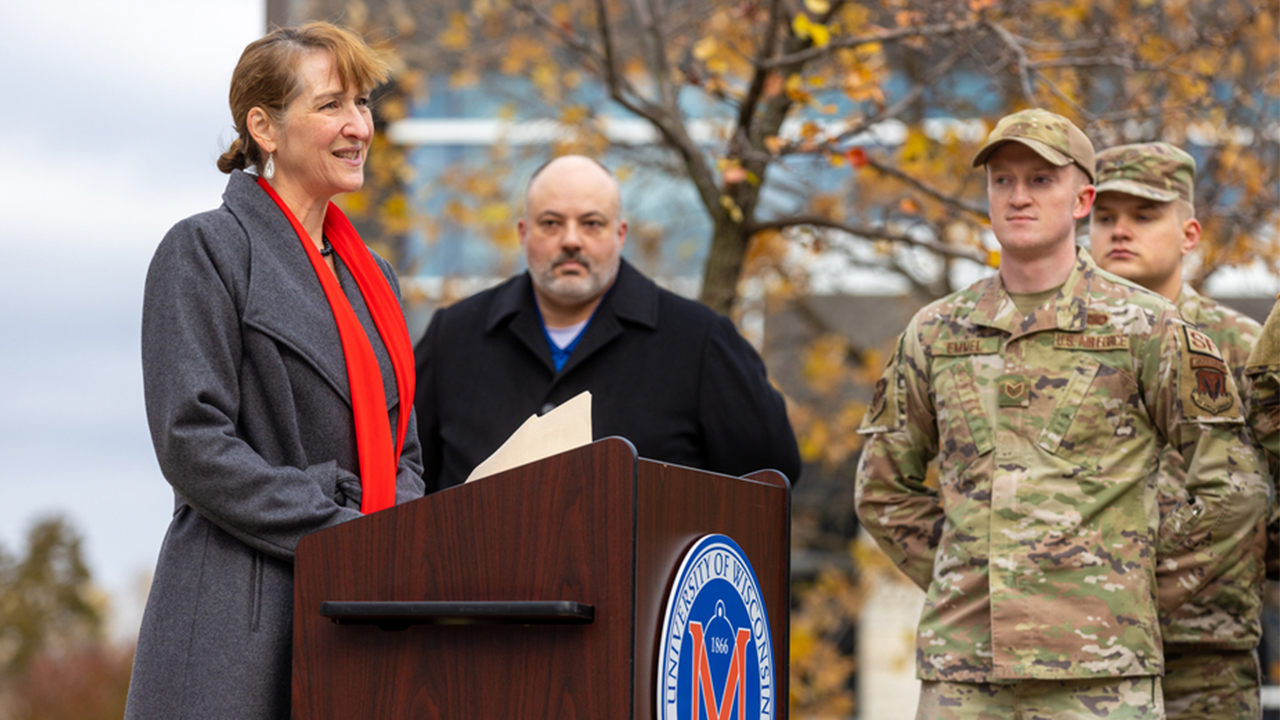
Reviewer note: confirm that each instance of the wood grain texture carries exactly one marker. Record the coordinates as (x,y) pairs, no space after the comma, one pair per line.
(594,526)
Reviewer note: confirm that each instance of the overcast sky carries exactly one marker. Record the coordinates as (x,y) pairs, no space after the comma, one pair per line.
(118,110)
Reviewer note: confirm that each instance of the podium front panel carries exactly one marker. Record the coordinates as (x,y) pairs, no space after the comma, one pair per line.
(535,593)
(557,531)
(675,506)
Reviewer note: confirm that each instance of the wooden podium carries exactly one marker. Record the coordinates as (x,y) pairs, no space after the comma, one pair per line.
(535,593)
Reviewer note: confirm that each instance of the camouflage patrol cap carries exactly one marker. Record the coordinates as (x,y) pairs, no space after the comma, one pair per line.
(1052,136)
(1155,171)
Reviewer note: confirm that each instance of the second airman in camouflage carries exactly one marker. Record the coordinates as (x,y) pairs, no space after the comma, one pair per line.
(1046,393)
(1143,224)
(1263,372)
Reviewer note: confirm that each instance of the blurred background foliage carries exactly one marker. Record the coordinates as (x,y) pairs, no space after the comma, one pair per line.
(56,662)
(753,104)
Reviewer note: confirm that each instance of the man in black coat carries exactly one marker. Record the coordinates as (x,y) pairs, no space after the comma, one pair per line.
(666,373)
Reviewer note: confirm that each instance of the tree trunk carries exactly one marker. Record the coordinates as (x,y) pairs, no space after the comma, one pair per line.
(724,263)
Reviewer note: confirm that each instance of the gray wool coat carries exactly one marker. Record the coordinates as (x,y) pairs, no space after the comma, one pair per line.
(250,413)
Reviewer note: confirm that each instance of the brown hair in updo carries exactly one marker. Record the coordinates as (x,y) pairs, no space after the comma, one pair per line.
(267,77)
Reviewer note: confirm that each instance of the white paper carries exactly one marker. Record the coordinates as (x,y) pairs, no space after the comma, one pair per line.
(564,428)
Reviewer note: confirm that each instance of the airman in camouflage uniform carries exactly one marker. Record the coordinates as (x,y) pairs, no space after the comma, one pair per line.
(1046,393)
(1263,372)
(1143,224)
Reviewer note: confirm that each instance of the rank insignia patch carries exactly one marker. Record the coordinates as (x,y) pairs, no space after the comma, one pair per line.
(1013,391)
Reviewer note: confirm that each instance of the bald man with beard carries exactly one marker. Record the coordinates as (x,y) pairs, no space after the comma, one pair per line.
(666,373)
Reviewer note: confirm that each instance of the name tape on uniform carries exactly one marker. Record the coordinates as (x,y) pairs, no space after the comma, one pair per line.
(1074,341)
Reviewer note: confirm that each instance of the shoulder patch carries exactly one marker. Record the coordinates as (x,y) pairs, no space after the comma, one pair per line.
(884,412)
(1211,392)
(1208,362)
(1200,344)
(1207,388)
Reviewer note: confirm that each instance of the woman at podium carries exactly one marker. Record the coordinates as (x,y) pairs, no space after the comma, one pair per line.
(278,376)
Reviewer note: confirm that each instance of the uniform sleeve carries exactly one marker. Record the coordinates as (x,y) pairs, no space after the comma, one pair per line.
(191,355)
(1264,409)
(743,418)
(1263,377)
(431,444)
(893,502)
(1262,385)
(1194,401)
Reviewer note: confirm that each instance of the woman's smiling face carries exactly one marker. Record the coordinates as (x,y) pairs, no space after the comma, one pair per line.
(325,135)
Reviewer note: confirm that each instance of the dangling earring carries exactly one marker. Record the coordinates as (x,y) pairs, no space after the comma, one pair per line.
(269,171)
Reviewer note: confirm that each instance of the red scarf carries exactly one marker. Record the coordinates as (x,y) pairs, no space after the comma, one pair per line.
(378,460)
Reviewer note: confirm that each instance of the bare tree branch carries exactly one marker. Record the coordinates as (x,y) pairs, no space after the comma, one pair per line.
(667,122)
(832,144)
(612,77)
(808,54)
(1020,53)
(1121,61)
(892,111)
(1063,47)
(571,40)
(655,44)
(922,187)
(891,263)
(905,101)
(865,231)
(1067,99)
(916,285)
(747,109)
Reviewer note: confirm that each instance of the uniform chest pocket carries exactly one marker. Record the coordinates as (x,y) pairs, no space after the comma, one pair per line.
(964,430)
(1090,410)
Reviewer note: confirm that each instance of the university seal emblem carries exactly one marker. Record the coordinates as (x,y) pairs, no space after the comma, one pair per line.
(715,659)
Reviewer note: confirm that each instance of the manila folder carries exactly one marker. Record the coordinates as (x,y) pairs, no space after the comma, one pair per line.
(564,428)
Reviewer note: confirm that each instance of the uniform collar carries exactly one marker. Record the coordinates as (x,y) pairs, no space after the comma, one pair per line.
(1189,304)
(1069,310)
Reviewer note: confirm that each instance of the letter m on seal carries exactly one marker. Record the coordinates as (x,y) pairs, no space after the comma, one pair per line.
(735,684)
